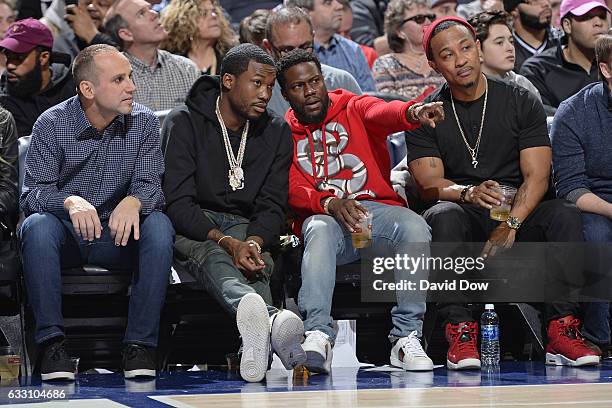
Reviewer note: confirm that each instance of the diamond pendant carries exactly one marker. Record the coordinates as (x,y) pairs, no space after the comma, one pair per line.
(234,182)
(239,173)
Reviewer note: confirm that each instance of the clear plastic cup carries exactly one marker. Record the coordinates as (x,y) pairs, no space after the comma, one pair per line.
(363,238)
(502,212)
(10,362)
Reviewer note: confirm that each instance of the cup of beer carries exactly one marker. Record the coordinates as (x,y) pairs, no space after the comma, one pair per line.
(362,238)
(502,212)
(10,362)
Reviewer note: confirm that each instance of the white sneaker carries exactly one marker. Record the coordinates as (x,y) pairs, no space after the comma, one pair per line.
(286,339)
(407,353)
(253,323)
(318,350)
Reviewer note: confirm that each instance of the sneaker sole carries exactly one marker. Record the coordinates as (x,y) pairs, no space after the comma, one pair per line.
(58,375)
(561,360)
(465,364)
(141,372)
(424,366)
(316,363)
(253,323)
(287,336)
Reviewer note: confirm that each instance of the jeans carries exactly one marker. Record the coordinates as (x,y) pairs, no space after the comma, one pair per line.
(49,243)
(596,319)
(215,269)
(328,244)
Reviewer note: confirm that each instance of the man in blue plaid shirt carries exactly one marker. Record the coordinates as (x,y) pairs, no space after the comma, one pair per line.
(92,195)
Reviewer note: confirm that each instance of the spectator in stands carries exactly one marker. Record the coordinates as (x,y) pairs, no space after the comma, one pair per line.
(443,8)
(162,79)
(32,83)
(331,48)
(330,208)
(368,21)
(532,30)
(9,196)
(288,29)
(457,166)
(555,6)
(406,72)
(345,31)
(494,31)
(226,223)
(582,167)
(85,19)
(238,10)
(198,30)
(469,10)
(253,28)
(7,17)
(98,139)
(560,72)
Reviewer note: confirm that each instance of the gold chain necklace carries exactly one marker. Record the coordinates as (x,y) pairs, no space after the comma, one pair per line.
(472,150)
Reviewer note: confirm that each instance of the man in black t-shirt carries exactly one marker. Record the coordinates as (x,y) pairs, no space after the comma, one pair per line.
(494,134)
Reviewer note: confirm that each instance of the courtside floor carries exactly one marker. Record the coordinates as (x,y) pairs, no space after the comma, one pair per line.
(520,384)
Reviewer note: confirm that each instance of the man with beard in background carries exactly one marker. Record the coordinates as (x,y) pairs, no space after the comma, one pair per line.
(532,29)
(32,84)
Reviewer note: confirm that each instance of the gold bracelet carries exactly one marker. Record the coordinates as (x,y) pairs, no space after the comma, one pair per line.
(222,238)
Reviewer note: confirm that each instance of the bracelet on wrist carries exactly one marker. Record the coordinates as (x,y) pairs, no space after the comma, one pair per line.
(222,238)
(326,203)
(411,112)
(254,243)
(464,193)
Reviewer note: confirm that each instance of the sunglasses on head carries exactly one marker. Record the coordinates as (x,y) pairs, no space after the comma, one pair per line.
(420,18)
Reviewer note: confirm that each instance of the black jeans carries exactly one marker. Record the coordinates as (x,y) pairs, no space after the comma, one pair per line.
(551,221)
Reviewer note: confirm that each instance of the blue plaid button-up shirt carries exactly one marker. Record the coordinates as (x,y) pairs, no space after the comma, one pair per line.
(68,156)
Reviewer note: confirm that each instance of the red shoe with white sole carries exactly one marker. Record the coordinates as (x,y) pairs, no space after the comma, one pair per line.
(566,346)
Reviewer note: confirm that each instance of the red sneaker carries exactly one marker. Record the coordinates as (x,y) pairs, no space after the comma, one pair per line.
(462,351)
(566,346)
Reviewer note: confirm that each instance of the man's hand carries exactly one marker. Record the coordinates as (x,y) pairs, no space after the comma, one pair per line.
(245,256)
(347,212)
(81,22)
(84,218)
(429,114)
(485,195)
(123,218)
(502,237)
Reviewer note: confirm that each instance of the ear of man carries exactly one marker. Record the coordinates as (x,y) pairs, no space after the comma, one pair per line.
(87,89)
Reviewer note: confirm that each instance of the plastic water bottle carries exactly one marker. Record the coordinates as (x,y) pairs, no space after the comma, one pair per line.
(489,330)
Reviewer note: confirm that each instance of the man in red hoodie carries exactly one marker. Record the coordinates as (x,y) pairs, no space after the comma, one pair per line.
(342,137)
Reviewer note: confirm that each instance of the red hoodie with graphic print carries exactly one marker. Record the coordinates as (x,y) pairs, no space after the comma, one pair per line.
(348,152)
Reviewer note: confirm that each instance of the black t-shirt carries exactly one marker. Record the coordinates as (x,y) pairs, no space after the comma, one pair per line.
(514,120)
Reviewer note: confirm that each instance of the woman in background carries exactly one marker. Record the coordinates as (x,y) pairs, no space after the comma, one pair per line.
(198,30)
(406,71)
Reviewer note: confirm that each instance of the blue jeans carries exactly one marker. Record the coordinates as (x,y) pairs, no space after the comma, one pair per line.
(49,243)
(328,244)
(596,319)
(215,269)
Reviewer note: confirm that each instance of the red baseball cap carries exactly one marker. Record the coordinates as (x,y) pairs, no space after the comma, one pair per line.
(429,29)
(24,35)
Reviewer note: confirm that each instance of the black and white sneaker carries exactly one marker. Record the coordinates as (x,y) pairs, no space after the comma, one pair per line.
(56,364)
(138,361)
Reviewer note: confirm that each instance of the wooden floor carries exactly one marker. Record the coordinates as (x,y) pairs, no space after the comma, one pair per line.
(565,395)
